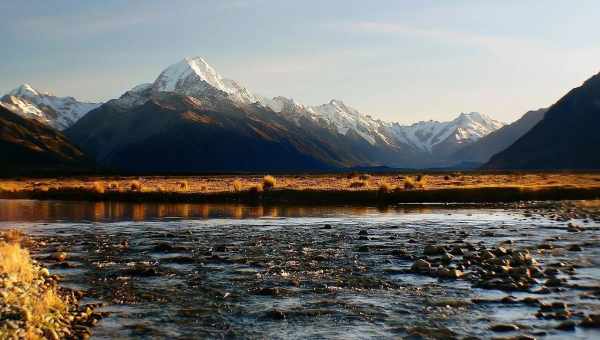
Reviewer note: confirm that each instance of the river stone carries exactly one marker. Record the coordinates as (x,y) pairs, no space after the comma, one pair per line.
(591,321)
(434,250)
(566,326)
(421,266)
(504,327)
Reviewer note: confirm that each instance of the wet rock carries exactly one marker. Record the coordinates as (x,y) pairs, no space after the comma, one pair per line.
(434,250)
(270,291)
(327,227)
(566,326)
(363,249)
(363,232)
(573,228)
(457,251)
(446,258)
(508,300)
(141,271)
(400,253)
(276,314)
(591,321)
(421,266)
(59,256)
(553,282)
(575,247)
(504,327)
(546,246)
(500,251)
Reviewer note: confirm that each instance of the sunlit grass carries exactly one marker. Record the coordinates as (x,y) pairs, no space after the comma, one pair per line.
(269,182)
(24,292)
(330,182)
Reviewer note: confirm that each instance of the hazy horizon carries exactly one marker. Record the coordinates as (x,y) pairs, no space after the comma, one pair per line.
(402,62)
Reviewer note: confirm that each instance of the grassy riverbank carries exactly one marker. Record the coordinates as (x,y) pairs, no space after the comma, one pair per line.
(32,304)
(315,189)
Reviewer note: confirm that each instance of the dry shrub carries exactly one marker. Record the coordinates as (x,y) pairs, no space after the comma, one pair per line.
(358,184)
(15,261)
(421,181)
(258,188)
(352,175)
(8,187)
(135,185)
(12,236)
(98,187)
(385,188)
(237,185)
(269,182)
(409,183)
(182,185)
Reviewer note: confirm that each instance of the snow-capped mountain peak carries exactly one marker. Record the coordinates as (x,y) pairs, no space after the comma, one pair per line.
(58,112)
(425,135)
(24,90)
(194,76)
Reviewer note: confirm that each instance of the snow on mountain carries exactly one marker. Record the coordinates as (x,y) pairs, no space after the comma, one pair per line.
(467,127)
(193,76)
(58,112)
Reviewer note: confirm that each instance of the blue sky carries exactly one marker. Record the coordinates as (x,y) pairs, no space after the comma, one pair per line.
(398,60)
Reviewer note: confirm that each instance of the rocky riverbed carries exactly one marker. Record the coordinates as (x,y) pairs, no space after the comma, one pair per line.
(514,271)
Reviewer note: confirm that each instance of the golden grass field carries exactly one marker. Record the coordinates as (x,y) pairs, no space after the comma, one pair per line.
(407,185)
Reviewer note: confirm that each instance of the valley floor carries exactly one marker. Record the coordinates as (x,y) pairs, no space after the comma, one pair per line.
(317,189)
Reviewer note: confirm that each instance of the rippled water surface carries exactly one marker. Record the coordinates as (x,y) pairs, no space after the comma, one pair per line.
(233,271)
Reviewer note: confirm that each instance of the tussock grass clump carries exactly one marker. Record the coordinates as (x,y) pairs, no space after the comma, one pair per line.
(258,188)
(98,187)
(8,187)
(236,185)
(15,262)
(409,183)
(182,185)
(135,186)
(352,175)
(421,181)
(385,188)
(358,184)
(414,183)
(269,182)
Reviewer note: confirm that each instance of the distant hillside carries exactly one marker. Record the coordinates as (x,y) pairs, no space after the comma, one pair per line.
(567,137)
(483,149)
(30,147)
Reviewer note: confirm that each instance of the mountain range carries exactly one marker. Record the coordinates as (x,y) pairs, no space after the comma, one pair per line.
(191,119)
(328,136)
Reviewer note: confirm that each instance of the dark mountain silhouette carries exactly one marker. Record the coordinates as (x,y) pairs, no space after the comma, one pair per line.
(567,137)
(29,147)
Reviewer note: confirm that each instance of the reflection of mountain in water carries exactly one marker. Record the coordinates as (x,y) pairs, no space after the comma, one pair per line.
(23,210)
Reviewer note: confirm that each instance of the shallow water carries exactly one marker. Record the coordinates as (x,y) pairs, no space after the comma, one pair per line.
(234,271)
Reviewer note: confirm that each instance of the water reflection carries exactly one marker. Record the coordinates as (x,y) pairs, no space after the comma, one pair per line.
(33,210)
